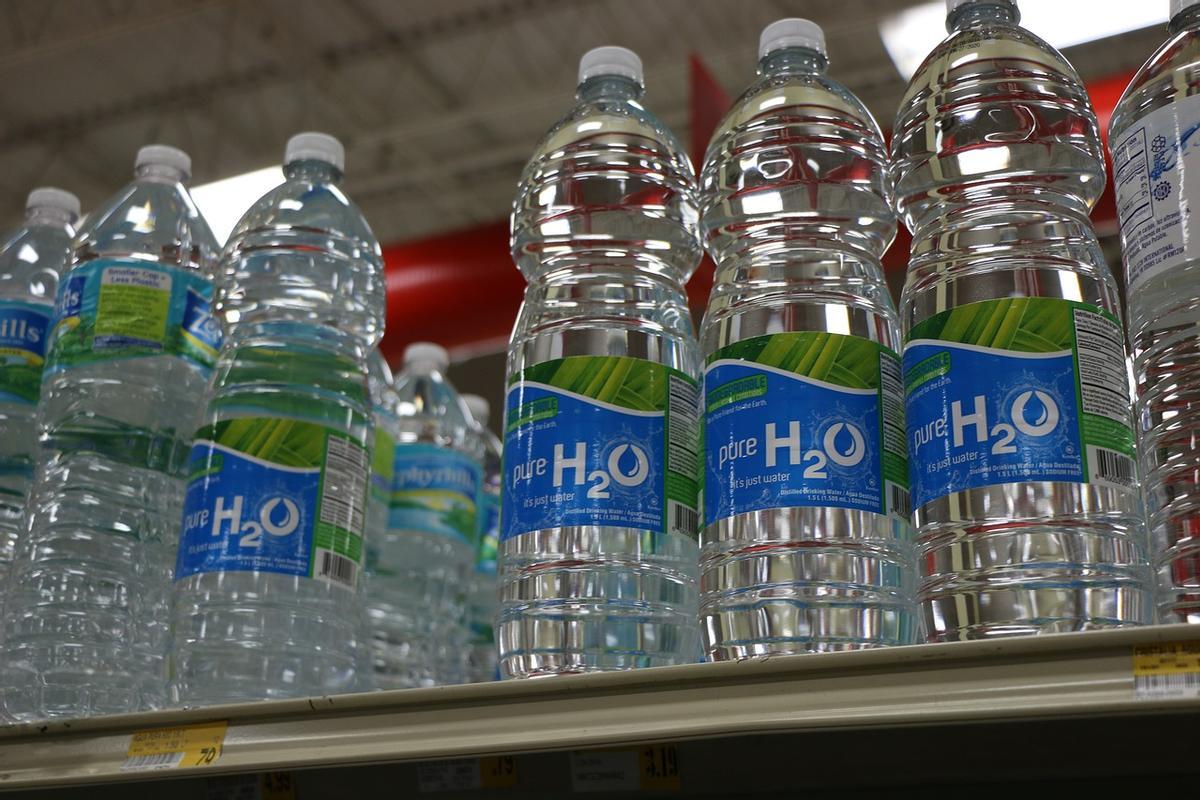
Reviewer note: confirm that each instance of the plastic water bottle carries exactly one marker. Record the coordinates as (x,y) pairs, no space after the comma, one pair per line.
(483,600)
(267,600)
(1020,444)
(419,582)
(598,556)
(806,545)
(130,351)
(1153,141)
(32,259)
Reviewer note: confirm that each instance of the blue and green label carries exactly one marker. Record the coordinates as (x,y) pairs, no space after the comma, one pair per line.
(1017,390)
(803,419)
(110,309)
(601,440)
(23,331)
(489,533)
(275,495)
(434,490)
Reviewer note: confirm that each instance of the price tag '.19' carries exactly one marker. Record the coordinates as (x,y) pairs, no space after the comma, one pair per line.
(168,748)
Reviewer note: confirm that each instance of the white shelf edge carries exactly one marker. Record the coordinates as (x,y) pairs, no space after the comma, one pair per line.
(1072,675)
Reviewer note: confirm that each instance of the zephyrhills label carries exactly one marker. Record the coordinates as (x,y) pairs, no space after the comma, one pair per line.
(435,490)
(23,329)
(804,419)
(1017,390)
(110,309)
(601,440)
(1157,186)
(275,495)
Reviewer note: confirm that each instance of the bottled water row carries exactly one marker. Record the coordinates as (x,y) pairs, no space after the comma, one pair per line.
(820,470)
(213,490)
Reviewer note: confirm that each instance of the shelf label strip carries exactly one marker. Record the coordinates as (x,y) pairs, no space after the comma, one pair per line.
(1166,670)
(168,748)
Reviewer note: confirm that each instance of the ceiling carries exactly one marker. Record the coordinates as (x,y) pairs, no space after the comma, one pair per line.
(439,103)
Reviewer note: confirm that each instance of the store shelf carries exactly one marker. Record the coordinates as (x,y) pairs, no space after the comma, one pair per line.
(1064,677)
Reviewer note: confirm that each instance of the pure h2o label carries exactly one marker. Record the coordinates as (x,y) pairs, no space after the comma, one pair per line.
(803,419)
(1016,390)
(275,495)
(23,330)
(601,440)
(123,308)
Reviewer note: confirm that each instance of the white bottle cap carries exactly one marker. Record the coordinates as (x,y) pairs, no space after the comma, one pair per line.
(1179,6)
(953,4)
(479,407)
(49,197)
(791,32)
(426,355)
(165,156)
(315,147)
(610,61)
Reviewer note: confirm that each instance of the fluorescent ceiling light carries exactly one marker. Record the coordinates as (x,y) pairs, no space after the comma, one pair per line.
(224,202)
(909,35)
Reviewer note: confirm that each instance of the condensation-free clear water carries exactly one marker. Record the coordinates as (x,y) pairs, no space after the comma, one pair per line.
(1153,171)
(795,212)
(301,295)
(997,159)
(87,617)
(32,259)
(604,230)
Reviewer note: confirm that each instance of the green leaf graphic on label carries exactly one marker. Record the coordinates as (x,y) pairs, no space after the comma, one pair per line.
(619,380)
(843,360)
(1024,324)
(287,442)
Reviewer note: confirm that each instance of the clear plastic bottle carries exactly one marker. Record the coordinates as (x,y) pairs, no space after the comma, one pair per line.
(32,259)
(483,600)
(1153,143)
(806,545)
(267,601)
(1021,453)
(133,342)
(598,555)
(419,583)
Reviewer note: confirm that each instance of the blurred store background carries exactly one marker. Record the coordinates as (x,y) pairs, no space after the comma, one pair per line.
(439,104)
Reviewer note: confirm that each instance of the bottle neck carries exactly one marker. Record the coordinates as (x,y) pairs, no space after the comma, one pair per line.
(982,12)
(44,215)
(792,61)
(313,171)
(609,87)
(1188,18)
(160,173)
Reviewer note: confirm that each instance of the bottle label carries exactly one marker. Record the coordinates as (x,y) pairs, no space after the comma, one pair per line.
(275,495)
(601,440)
(23,329)
(804,419)
(1017,390)
(1157,191)
(110,309)
(489,533)
(434,490)
(382,467)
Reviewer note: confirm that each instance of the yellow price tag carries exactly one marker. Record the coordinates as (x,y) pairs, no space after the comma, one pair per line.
(659,767)
(1169,669)
(277,786)
(167,748)
(498,772)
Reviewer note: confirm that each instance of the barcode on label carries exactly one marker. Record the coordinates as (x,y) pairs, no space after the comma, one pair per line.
(1109,466)
(683,427)
(683,519)
(335,568)
(898,500)
(1184,684)
(344,489)
(153,761)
